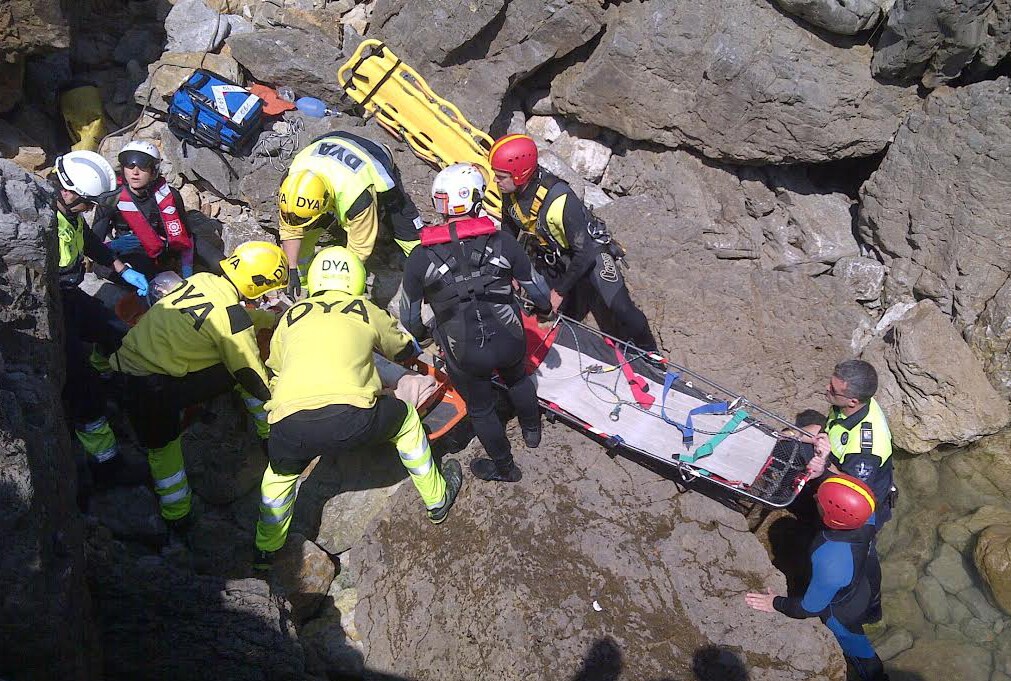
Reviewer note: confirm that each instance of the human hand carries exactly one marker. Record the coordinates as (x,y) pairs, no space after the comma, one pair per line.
(761,602)
(556,300)
(822,446)
(816,466)
(135,279)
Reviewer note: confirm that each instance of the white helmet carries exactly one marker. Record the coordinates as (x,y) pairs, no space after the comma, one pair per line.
(458,189)
(86,174)
(141,152)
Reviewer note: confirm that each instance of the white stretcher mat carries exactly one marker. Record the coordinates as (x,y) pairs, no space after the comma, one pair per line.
(591,397)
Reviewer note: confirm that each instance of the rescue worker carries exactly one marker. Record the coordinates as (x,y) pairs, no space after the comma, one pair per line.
(353,180)
(147,224)
(83,179)
(332,402)
(857,442)
(575,252)
(195,343)
(464,270)
(839,592)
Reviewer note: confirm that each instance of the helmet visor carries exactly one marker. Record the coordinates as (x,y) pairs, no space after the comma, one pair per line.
(132,158)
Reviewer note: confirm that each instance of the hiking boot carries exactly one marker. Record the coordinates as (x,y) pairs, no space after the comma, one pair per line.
(118,472)
(486,469)
(179,532)
(264,560)
(531,436)
(453,474)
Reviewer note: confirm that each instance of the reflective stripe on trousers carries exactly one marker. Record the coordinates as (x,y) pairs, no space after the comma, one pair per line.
(277,503)
(98,439)
(416,455)
(255,409)
(170,482)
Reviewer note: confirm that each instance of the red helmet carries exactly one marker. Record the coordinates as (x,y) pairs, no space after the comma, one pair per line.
(845,502)
(516,155)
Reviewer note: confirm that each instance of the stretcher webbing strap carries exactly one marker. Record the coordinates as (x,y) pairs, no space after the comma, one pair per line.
(707,448)
(687,428)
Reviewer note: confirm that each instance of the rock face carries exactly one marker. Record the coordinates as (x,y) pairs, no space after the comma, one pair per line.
(847,17)
(942,660)
(45,613)
(32,26)
(489,45)
(609,565)
(306,60)
(993,562)
(935,391)
(735,80)
(931,40)
(934,210)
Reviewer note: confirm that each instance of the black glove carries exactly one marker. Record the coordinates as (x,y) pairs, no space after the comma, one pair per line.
(294,284)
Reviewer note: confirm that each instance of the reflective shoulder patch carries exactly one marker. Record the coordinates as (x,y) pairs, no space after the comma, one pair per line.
(238,318)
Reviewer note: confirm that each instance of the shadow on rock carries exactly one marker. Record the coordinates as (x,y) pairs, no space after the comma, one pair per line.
(789,540)
(716,663)
(603,662)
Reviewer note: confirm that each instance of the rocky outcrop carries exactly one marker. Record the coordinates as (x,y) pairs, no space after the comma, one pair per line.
(993,562)
(488,47)
(45,616)
(304,60)
(30,27)
(844,17)
(734,79)
(935,391)
(932,40)
(585,556)
(935,211)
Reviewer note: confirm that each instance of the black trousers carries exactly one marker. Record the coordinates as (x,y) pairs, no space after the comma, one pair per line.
(155,403)
(472,377)
(296,439)
(87,320)
(603,291)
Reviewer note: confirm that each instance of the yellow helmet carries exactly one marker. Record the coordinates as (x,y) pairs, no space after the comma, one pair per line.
(337,269)
(302,199)
(256,267)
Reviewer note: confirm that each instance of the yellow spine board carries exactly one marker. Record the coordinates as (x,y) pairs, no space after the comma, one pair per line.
(406,107)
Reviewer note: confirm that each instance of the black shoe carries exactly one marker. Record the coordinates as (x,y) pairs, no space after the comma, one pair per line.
(264,560)
(453,474)
(118,472)
(486,469)
(531,436)
(179,531)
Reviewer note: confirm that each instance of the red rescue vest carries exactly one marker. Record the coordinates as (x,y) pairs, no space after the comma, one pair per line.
(175,233)
(465,229)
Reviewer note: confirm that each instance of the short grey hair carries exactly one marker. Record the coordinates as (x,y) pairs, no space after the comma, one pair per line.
(860,378)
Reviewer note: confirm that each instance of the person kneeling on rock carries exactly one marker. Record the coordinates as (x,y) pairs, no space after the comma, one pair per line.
(465,269)
(839,592)
(326,396)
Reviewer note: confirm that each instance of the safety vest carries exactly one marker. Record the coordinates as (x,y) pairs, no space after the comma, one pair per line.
(176,237)
(474,272)
(869,436)
(349,164)
(531,222)
(71,240)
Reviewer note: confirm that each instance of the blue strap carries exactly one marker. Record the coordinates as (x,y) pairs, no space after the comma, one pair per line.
(687,428)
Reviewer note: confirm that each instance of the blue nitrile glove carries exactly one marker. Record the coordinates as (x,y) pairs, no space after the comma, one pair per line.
(128,243)
(135,279)
(415,348)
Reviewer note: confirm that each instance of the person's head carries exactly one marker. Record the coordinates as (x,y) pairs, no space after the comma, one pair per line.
(853,383)
(513,159)
(458,190)
(255,268)
(302,199)
(336,269)
(84,179)
(139,161)
(844,502)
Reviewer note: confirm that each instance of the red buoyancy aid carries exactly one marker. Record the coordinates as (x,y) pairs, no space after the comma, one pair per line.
(175,233)
(465,229)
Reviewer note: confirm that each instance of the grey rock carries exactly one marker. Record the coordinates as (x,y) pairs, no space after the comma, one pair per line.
(49,632)
(931,40)
(901,575)
(934,390)
(933,600)
(813,228)
(140,44)
(960,613)
(893,643)
(948,151)
(545,129)
(903,609)
(30,27)
(911,537)
(307,60)
(192,26)
(846,18)
(588,157)
(865,277)
(500,581)
(201,164)
(539,103)
(735,80)
(495,44)
(129,512)
(956,534)
(943,659)
(304,572)
(919,476)
(950,569)
(594,197)
(331,641)
(977,603)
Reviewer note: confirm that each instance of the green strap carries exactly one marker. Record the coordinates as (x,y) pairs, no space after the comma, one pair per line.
(706,449)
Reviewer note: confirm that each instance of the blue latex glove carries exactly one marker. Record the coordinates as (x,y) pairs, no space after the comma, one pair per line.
(128,243)
(135,279)
(416,348)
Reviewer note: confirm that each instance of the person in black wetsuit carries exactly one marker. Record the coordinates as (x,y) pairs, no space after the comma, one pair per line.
(464,269)
(839,592)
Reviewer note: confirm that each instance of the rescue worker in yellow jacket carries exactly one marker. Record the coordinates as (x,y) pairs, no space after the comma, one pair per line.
(331,402)
(353,180)
(195,343)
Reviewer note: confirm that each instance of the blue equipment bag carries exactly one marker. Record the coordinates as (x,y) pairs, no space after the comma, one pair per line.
(211,111)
